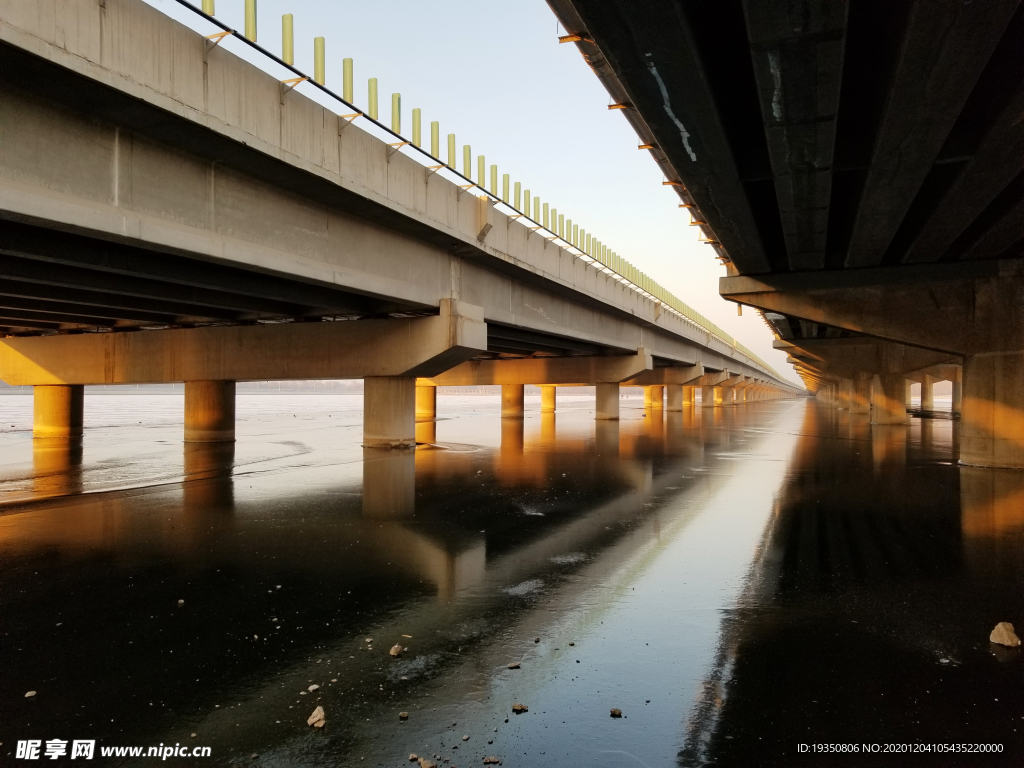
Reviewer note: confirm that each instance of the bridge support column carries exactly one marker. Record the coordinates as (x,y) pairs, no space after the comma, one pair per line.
(992,420)
(654,397)
(689,396)
(58,410)
(512,404)
(209,411)
(928,392)
(707,397)
(888,399)
(860,399)
(389,412)
(547,399)
(607,401)
(426,403)
(674,394)
(845,394)
(958,393)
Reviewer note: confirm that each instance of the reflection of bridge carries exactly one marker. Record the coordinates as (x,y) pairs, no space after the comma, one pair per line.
(857,166)
(172,213)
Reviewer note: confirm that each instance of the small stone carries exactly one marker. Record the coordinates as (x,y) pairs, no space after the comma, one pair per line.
(465,737)
(318,718)
(334,679)
(181,602)
(193,735)
(571,643)
(30,694)
(396,650)
(313,687)
(413,757)
(536,639)
(1003,634)
(492,761)
(519,709)
(426,763)
(369,639)
(514,665)
(403,715)
(616,713)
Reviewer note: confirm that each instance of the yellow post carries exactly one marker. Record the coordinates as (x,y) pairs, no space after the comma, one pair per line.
(576,235)
(250,19)
(547,217)
(526,203)
(319,66)
(347,91)
(504,188)
(494,180)
(536,209)
(287,39)
(561,226)
(451,151)
(396,112)
(467,161)
(554,221)
(435,139)
(586,244)
(372,88)
(518,196)
(416,127)
(481,172)
(208,7)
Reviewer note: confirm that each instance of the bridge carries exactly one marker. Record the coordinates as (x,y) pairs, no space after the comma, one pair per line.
(858,167)
(172,213)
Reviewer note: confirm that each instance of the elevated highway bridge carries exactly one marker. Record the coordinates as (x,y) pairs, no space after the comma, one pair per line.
(170,212)
(859,166)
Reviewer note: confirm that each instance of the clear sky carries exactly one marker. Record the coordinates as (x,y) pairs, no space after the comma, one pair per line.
(494,74)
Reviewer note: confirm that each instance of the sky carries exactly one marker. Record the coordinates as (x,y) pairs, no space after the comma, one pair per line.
(495,74)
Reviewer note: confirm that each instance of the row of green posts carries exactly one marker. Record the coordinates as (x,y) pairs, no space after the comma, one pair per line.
(522,200)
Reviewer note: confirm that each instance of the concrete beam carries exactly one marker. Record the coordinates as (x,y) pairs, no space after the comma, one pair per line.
(566,371)
(411,347)
(864,353)
(685,375)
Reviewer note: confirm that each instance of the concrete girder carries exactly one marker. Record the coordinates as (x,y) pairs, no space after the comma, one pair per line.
(564,371)
(864,353)
(409,347)
(684,375)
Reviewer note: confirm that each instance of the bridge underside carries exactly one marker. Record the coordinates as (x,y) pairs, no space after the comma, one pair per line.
(858,168)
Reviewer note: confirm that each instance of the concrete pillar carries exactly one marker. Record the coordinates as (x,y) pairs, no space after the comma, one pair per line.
(707,397)
(689,396)
(958,393)
(928,392)
(860,399)
(389,412)
(674,398)
(58,410)
(426,403)
(845,394)
(888,399)
(657,396)
(992,419)
(648,396)
(607,402)
(512,406)
(547,399)
(209,411)
(908,395)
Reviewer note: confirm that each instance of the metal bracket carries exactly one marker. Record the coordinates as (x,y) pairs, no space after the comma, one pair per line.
(432,169)
(215,39)
(288,85)
(392,148)
(462,189)
(344,121)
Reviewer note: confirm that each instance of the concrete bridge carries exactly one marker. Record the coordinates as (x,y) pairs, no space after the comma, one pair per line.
(170,212)
(858,167)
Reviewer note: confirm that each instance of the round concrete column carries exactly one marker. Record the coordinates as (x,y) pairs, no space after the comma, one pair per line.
(209,411)
(426,403)
(512,404)
(607,401)
(547,399)
(58,410)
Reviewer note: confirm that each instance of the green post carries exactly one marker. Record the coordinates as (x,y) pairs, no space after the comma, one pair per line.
(319,67)
(250,19)
(467,161)
(372,88)
(347,91)
(504,188)
(518,196)
(396,112)
(451,151)
(287,39)
(208,7)
(435,139)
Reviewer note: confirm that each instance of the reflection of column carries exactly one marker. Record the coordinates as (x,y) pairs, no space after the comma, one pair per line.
(389,482)
(512,401)
(512,437)
(607,401)
(888,398)
(888,445)
(606,438)
(57,467)
(209,411)
(389,412)
(675,397)
(992,419)
(426,403)
(991,518)
(547,399)
(547,429)
(58,411)
(208,482)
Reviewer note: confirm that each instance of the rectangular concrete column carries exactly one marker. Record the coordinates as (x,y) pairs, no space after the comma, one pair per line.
(845,394)
(908,396)
(689,396)
(860,399)
(548,399)
(707,397)
(674,398)
(607,402)
(58,410)
(958,393)
(928,392)
(992,419)
(209,411)
(512,405)
(426,403)
(389,412)
(654,397)
(888,399)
